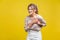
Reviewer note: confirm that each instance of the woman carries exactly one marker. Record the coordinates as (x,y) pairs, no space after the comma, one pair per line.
(34,23)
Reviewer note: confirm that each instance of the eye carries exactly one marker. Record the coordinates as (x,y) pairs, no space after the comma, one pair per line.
(30,9)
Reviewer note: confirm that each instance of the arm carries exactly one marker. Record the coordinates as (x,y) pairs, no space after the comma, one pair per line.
(27,25)
(41,22)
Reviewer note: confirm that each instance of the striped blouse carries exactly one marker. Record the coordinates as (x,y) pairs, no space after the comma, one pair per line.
(34,26)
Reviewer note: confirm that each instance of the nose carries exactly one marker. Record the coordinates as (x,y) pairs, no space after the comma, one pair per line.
(30,11)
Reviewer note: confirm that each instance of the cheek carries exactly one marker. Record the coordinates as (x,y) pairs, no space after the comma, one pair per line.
(34,10)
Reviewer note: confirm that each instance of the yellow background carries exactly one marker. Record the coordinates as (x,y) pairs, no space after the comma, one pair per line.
(13,12)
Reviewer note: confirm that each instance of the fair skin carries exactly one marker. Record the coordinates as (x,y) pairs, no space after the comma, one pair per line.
(32,14)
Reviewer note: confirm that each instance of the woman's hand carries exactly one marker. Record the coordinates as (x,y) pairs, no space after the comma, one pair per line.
(35,20)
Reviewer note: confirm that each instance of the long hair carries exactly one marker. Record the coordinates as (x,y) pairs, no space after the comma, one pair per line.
(35,7)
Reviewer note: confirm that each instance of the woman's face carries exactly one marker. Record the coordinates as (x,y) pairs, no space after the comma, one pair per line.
(31,10)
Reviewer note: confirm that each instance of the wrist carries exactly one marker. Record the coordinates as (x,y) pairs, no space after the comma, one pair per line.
(40,24)
(30,24)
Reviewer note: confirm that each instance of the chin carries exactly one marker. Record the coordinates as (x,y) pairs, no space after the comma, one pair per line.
(31,13)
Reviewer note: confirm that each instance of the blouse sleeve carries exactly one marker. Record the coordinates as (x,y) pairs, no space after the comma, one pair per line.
(43,22)
(26,24)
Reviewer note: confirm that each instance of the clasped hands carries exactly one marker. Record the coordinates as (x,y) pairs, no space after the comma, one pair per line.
(36,21)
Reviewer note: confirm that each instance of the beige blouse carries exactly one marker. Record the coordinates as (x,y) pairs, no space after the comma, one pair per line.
(34,26)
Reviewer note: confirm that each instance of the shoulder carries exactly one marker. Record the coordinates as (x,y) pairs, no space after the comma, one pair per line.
(39,16)
(27,17)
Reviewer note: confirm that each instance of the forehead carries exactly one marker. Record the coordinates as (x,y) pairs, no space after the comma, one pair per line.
(31,7)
